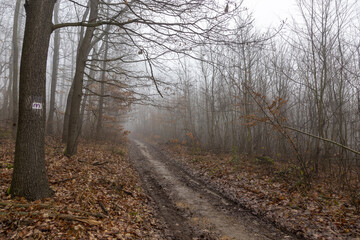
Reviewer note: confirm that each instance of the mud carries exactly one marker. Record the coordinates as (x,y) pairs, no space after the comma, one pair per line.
(189,208)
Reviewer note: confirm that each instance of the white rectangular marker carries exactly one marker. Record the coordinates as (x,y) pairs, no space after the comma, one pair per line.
(36,105)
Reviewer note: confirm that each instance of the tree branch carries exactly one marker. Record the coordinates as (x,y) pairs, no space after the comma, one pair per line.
(321,138)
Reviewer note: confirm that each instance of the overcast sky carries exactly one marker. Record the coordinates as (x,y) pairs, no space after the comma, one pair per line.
(271,12)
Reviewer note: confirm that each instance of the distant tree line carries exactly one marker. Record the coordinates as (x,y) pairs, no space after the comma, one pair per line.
(294,97)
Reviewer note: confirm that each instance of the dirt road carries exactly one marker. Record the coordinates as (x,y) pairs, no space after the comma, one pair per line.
(189,208)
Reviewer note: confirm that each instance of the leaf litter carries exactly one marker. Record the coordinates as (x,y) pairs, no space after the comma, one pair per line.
(317,213)
(97,196)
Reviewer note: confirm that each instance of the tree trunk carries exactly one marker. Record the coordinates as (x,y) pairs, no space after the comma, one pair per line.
(29,178)
(15,68)
(67,115)
(85,47)
(5,107)
(54,75)
(102,91)
(95,55)
(62,101)
(68,101)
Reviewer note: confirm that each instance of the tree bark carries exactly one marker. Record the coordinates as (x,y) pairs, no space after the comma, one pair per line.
(15,68)
(29,178)
(54,75)
(85,47)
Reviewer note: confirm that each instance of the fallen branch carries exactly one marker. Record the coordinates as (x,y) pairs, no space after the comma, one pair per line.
(56,215)
(25,205)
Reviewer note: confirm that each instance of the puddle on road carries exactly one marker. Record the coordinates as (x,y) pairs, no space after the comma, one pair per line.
(203,211)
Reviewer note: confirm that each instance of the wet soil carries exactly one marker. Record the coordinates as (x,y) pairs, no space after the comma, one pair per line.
(189,208)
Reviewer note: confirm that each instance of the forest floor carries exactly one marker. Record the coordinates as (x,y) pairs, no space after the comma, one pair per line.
(97,196)
(272,192)
(170,191)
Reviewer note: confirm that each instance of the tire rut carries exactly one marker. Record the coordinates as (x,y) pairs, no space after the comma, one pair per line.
(189,208)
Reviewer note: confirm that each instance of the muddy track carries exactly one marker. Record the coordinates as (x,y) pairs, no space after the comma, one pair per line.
(189,208)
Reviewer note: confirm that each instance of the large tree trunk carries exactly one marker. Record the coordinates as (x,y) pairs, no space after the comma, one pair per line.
(29,178)
(54,75)
(85,47)
(15,68)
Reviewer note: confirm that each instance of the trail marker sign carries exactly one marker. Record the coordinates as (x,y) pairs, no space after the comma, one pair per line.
(37,103)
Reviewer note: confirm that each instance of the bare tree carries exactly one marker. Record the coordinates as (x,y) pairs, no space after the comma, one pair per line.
(84,50)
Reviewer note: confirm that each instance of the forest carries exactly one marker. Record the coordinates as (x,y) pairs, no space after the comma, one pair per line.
(269,118)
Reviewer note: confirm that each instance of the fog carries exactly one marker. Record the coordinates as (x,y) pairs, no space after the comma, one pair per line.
(278,78)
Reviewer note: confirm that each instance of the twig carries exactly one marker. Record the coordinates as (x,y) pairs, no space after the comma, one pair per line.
(76,3)
(128,193)
(76,218)
(64,180)
(99,163)
(103,207)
